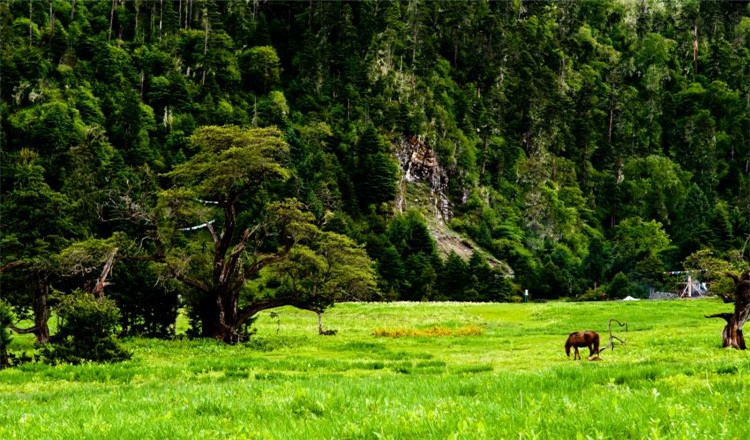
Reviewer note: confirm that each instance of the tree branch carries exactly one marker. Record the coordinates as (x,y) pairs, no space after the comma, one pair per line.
(259,265)
(211,229)
(253,309)
(191,282)
(23,331)
(234,257)
(12,265)
(226,235)
(724,316)
(222,245)
(101,282)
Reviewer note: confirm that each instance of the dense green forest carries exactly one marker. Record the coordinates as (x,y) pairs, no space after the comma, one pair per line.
(229,157)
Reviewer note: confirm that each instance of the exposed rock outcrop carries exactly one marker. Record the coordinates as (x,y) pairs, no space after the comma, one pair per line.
(424,185)
(420,164)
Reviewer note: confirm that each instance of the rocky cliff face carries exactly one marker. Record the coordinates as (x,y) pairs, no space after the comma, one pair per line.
(420,164)
(424,185)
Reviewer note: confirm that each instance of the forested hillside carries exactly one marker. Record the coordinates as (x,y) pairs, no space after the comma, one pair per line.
(571,144)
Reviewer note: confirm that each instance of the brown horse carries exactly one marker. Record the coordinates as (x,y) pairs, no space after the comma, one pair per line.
(586,338)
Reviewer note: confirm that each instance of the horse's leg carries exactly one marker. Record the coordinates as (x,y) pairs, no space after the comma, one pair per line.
(577,355)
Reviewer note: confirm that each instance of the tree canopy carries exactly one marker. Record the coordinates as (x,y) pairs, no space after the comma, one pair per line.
(231,147)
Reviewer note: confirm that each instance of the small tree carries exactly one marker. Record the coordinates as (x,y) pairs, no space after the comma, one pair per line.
(261,68)
(454,279)
(637,240)
(88,320)
(619,286)
(375,175)
(6,320)
(713,270)
(333,268)
(35,224)
(87,331)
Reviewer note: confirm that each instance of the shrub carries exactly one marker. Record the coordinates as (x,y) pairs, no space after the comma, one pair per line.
(87,331)
(6,319)
(619,287)
(596,294)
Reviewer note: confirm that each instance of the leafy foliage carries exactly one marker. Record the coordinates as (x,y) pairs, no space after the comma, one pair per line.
(87,331)
(6,319)
(572,141)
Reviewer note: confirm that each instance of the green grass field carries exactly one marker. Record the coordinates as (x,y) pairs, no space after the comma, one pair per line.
(673,380)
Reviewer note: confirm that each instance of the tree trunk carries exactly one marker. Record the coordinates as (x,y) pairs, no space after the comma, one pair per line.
(209,317)
(189,17)
(219,317)
(41,309)
(161,15)
(31,20)
(111,19)
(137,13)
(320,323)
(732,335)
(205,43)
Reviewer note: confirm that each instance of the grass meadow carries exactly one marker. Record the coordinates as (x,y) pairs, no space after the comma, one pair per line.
(429,374)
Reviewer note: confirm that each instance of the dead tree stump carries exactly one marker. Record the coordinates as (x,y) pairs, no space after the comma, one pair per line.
(732,334)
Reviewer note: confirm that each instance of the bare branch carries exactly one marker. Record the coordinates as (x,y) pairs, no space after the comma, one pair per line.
(212,231)
(101,282)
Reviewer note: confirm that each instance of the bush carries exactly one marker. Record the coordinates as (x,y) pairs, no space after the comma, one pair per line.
(6,319)
(87,331)
(597,294)
(619,287)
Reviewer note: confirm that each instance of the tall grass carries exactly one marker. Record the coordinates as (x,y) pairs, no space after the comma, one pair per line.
(672,380)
